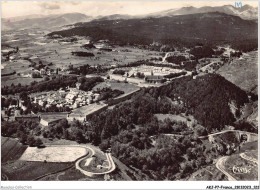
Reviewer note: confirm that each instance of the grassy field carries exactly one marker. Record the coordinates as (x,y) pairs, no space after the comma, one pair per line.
(71,175)
(23,170)
(14,79)
(60,163)
(11,149)
(20,66)
(92,166)
(249,146)
(250,113)
(14,169)
(242,72)
(59,54)
(171,117)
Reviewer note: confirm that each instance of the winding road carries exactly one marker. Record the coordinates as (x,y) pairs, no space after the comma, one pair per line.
(111,165)
(220,165)
(221,162)
(244,156)
(166,55)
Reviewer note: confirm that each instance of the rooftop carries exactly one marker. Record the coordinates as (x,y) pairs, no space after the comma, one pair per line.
(49,117)
(153,77)
(85,110)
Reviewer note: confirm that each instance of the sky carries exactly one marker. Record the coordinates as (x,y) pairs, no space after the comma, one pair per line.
(96,8)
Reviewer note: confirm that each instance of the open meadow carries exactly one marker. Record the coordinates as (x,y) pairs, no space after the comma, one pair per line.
(242,72)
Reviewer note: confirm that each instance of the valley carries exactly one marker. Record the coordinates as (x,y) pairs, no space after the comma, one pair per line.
(166,96)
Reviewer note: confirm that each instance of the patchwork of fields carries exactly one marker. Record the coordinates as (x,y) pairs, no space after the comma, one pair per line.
(54,162)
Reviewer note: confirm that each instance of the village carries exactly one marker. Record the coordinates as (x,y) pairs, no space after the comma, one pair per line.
(79,103)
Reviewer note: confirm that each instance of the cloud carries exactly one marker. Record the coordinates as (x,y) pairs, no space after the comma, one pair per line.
(49,6)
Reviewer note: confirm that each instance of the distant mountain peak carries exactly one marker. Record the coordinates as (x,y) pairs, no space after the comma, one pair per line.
(45,21)
(189,7)
(246,12)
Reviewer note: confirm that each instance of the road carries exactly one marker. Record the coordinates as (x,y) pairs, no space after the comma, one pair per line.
(220,165)
(166,55)
(221,162)
(244,156)
(221,132)
(206,136)
(111,167)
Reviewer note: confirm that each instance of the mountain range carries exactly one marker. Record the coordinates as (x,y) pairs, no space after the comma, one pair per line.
(43,21)
(201,27)
(50,21)
(245,12)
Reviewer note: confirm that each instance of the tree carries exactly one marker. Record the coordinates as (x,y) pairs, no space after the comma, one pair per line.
(66,134)
(23,95)
(119,72)
(38,143)
(46,78)
(79,137)
(23,138)
(104,145)
(30,141)
(36,75)
(45,135)
(21,111)
(200,130)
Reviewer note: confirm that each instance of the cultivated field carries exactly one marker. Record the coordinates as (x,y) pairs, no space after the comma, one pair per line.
(34,44)
(54,162)
(11,149)
(14,168)
(14,79)
(23,170)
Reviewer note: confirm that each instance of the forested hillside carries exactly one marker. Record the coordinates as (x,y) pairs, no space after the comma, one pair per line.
(182,29)
(207,98)
(127,127)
